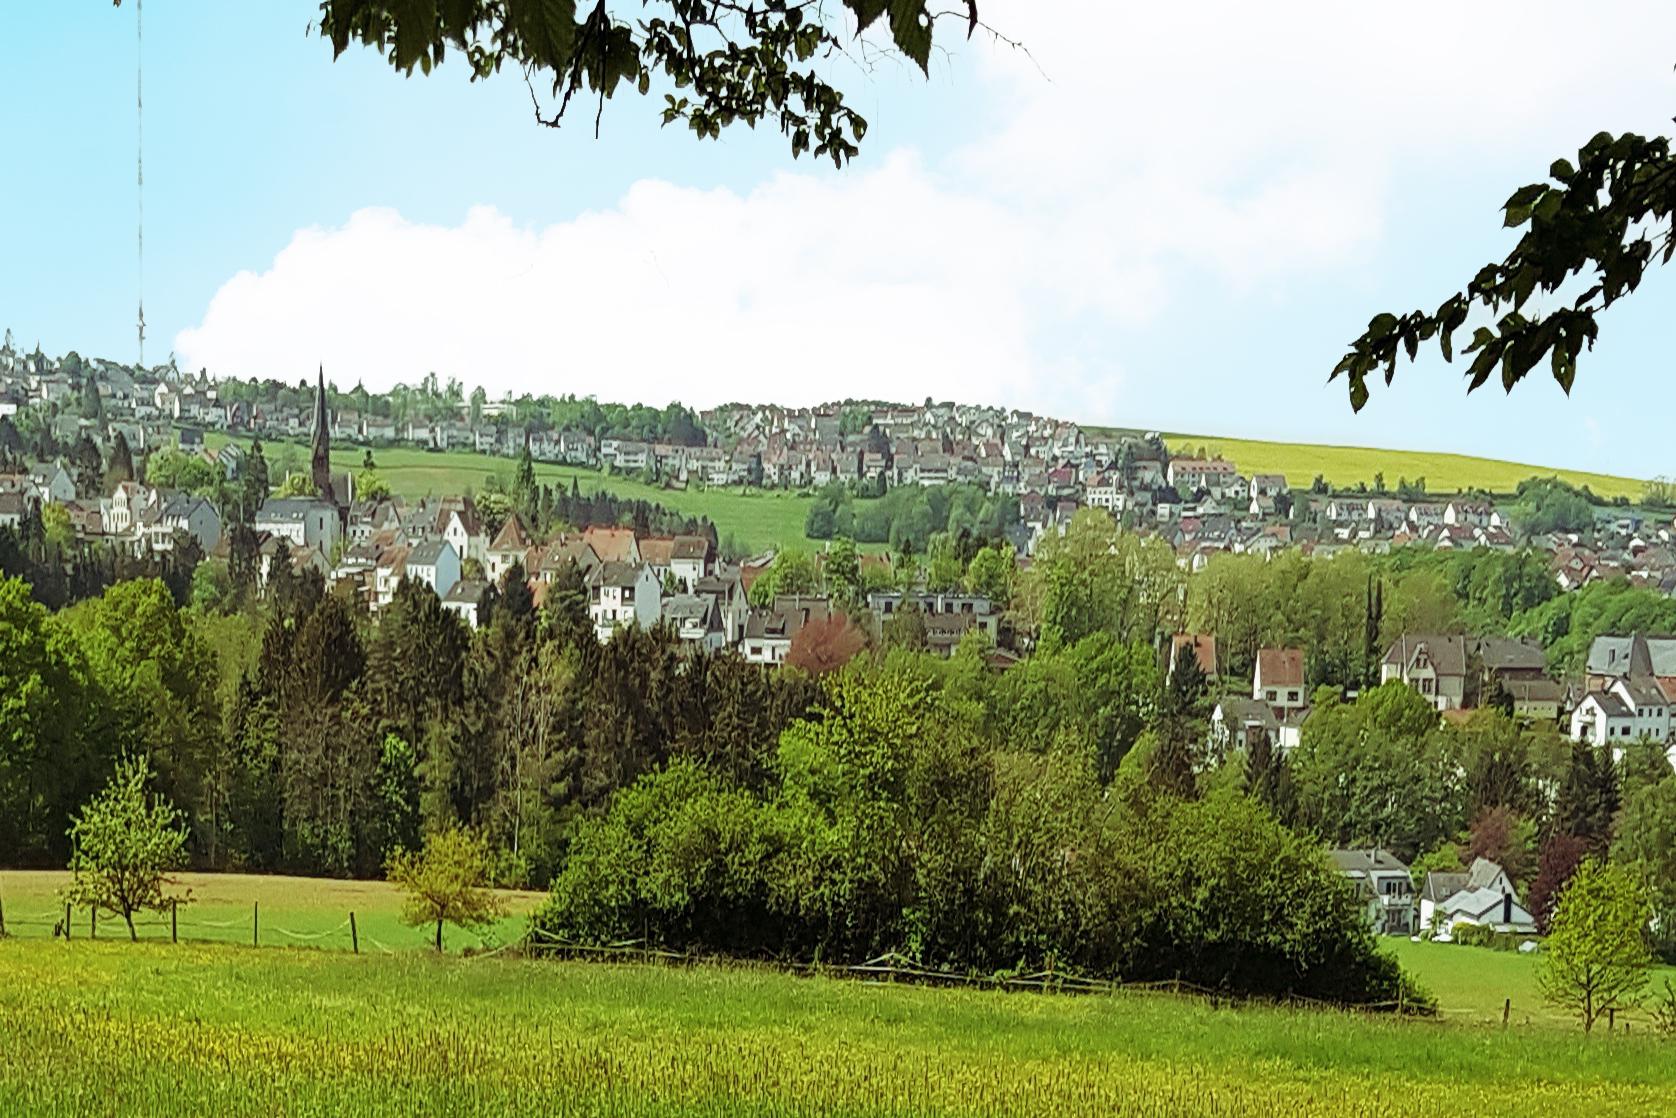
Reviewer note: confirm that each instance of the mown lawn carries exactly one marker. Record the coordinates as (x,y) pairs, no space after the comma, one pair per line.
(290,911)
(114,1028)
(1471,983)
(1347,465)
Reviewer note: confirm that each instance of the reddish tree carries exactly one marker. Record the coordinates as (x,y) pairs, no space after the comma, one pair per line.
(1561,855)
(825,644)
(1495,835)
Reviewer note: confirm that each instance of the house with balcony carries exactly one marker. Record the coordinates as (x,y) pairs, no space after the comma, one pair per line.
(1385,886)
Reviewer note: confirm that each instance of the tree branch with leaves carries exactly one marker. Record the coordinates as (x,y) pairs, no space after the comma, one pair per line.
(729,62)
(1598,224)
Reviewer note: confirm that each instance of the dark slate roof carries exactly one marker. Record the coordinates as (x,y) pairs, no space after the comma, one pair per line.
(427,554)
(289,508)
(621,575)
(1363,860)
(1243,710)
(691,547)
(1614,706)
(1439,887)
(467,591)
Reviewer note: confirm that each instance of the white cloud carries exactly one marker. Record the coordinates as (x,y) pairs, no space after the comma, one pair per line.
(1173,152)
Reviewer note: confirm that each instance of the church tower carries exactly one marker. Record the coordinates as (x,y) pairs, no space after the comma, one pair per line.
(322,444)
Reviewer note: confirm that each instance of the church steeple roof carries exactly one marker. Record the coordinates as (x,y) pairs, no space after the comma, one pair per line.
(322,443)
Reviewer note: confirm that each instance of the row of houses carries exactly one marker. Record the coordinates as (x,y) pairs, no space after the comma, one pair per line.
(1481,896)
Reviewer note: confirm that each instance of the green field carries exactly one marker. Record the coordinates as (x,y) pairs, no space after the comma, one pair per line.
(1347,465)
(113,1028)
(109,1027)
(756,519)
(290,911)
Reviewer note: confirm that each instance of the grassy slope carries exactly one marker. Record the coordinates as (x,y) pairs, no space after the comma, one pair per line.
(758,520)
(1346,465)
(115,1028)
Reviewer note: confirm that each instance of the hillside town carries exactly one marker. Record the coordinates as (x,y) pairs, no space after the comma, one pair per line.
(1199,504)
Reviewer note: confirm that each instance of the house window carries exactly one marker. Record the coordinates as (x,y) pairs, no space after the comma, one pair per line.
(1291,696)
(1270,694)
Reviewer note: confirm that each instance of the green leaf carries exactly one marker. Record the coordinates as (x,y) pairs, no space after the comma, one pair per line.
(416,33)
(910,26)
(1358,393)
(866,11)
(1381,324)
(1562,170)
(546,30)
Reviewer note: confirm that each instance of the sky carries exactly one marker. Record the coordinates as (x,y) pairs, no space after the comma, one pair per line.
(1162,216)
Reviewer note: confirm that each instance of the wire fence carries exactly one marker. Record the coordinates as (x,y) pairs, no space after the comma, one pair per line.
(178,924)
(535,942)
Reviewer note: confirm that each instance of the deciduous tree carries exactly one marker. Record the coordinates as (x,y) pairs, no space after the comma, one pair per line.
(447,882)
(1596,957)
(124,844)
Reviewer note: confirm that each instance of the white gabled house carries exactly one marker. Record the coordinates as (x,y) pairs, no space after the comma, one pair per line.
(623,594)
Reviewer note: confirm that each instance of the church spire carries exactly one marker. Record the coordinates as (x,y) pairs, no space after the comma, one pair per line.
(322,462)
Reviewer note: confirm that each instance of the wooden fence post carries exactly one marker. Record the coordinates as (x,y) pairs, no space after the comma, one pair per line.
(1611,1017)
(354,935)
(174,921)
(255,923)
(92,922)
(1506,1011)
(66,923)
(2,918)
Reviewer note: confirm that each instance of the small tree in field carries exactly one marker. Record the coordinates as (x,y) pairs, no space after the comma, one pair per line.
(446,882)
(124,843)
(1596,958)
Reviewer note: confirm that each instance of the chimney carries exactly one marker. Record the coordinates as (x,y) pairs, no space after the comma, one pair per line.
(1506,907)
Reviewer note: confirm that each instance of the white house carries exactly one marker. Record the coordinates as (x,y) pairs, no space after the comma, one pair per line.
(459,525)
(183,512)
(510,546)
(1385,885)
(305,521)
(436,564)
(465,600)
(697,620)
(1627,710)
(769,632)
(1484,895)
(689,560)
(623,594)
(1278,680)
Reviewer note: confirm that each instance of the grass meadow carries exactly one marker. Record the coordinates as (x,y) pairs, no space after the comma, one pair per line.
(1347,465)
(757,519)
(109,1027)
(286,911)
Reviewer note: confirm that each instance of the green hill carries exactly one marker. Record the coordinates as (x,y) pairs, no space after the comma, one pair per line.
(1347,465)
(756,520)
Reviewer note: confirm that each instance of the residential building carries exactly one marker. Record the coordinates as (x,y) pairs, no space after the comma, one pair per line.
(770,632)
(1278,680)
(466,599)
(622,594)
(1483,896)
(305,521)
(434,563)
(696,619)
(1457,672)
(1385,886)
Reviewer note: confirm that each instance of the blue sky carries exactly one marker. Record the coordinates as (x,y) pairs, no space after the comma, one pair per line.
(1167,217)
